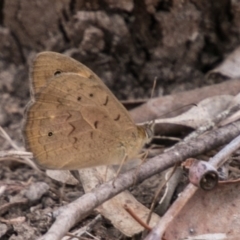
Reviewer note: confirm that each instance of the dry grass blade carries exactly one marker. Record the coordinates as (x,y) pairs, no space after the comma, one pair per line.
(18,155)
(7,137)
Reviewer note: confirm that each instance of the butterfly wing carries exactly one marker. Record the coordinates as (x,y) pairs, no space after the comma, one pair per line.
(73,122)
(48,64)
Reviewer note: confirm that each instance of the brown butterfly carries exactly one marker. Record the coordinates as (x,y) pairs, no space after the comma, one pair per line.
(73,120)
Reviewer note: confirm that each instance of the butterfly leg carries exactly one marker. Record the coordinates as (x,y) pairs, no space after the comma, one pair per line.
(106,172)
(143,157)
(119,169)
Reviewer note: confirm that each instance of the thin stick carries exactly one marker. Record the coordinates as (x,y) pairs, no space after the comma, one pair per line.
(159,191)
(137,219)
(78,233)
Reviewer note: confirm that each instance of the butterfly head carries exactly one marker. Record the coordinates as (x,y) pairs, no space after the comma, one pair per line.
(147,129)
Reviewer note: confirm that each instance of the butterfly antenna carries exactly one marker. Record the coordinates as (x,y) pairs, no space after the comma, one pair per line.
(152,122)
(154,87)
(177,109)
(152,93)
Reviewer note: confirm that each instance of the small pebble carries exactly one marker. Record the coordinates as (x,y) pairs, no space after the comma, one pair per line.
(36,191)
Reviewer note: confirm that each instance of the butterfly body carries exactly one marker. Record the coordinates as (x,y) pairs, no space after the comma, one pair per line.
(73,120)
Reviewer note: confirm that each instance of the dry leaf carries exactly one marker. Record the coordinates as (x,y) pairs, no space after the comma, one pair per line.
(113,209)
(202,114)
(235,103)
(230,66)
(209,212)
(63,176)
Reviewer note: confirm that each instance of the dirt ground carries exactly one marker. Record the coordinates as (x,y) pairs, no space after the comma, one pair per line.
(128,44)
